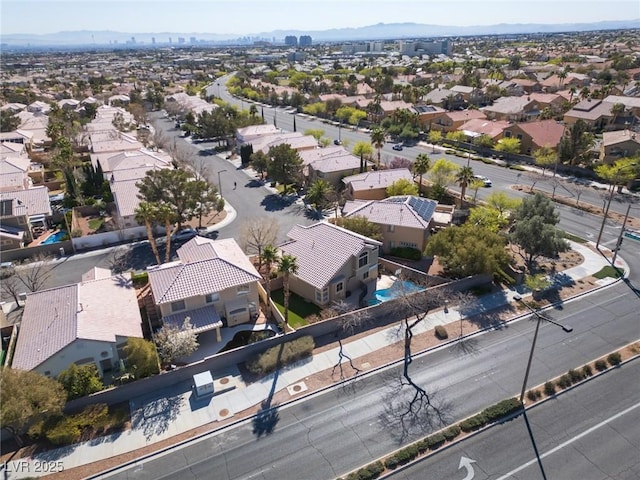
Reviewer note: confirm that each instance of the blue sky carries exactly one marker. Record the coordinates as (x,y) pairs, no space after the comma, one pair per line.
(247,17)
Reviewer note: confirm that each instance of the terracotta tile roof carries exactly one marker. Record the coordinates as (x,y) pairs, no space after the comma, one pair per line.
(99,310)
(544,132)
(618,136)
(509,105)
(591,110)
(322,250)
(479,126)
(205,266)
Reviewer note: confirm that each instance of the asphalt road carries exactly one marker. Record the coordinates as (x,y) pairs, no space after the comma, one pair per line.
(330,434)
(588,433)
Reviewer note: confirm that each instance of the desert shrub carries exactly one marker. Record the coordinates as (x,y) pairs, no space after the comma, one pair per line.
(371,471)
(549,389)
(451,432)
(501,409)
(436,440)
(587,371)
(534,395)
(601,365)
(280,355)
(441,332)
(614,359)
(564,381)
(64,432)
(401,457)
(575,375)
(473,423)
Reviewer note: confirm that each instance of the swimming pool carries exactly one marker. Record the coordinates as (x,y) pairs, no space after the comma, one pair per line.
(56,237)
(399,287)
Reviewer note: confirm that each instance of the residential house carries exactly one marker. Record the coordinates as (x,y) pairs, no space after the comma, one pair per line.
(68,104)
(553,101)
(119,100)
(526,86)
(296,140)
(252,132)
(470,95)
(129,159)
(535,135)
(23,214)
(428,114)
(451,121)
(333,263)
(213,283)
(331,164)
(445,98)
(87,323)
(619,144)
(595,113)
(373,185)
(494,129)
(23,137)
(405,221)
(192,103)
(513,109)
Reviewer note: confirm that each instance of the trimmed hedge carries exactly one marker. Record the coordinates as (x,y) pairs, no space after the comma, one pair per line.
(474,423)
(601,365)
(367,473)
(407,252)
(278,356)
(549,389)
(441,332)
(401,457)
(451,432)
(614,359)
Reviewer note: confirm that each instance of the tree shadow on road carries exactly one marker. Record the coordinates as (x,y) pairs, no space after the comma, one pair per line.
(275,202)
(268,416)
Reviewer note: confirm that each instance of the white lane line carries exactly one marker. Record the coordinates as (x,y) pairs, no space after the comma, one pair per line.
(570,441)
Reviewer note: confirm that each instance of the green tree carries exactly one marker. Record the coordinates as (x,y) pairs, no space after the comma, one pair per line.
(508,145)
(402,186)
(487,217)
(80,381)
(574,148)
(434,137)
(464,177)
(316,133)
(468,250)
(484,141)
(287,266)
(360,225)
(27,397)
(535,230)
(174,341)
(503,202)
(420,168)
(545,157)
(141,357)
(621,172)
(377,140)
(8,121)
(456,136)
(475,185)
(284,165)
(320,194)
(441,175)
(260,162)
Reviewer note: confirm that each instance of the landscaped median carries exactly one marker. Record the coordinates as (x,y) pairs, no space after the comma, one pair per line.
(503,410)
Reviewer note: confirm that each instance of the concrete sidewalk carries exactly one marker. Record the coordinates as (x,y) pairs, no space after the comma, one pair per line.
(163,414)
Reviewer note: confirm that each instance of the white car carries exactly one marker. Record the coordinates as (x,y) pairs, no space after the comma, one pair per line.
(487,182)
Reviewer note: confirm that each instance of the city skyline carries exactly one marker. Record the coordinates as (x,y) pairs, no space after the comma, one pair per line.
(241,17)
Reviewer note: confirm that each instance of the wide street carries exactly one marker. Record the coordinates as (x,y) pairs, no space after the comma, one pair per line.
(588,433)
(332,433)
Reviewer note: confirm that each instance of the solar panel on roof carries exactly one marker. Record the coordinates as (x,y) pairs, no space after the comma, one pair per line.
(424,208)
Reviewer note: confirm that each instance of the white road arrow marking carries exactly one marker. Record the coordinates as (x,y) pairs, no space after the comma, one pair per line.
(467,463)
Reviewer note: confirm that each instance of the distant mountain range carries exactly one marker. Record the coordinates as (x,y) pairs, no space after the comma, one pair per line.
(380,31)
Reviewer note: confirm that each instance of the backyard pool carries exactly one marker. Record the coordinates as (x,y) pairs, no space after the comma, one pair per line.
(399,287)
(54,238)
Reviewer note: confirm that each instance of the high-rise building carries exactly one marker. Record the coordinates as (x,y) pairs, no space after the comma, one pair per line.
(291,41)
(153,40)
(305,41)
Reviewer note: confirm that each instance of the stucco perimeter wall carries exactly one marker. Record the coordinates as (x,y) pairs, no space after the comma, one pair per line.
(386,312)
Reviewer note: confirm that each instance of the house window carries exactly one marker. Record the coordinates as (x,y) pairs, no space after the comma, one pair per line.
(243,289)
(104,354)
(363,259)
(507,134)
(48,373)
(178,306)
(339,287)
(212,298)
(392,228)
(519,136)
(322,296)
(365,275)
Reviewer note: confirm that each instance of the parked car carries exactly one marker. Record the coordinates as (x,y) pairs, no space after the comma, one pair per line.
(397,146)
(337,142)
(487,182)
(184,235)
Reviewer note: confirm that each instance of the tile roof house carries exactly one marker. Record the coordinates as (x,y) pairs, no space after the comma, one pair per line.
(451,121)
(373,185)
(330,164)
(479,126)
(84,323)
(24,210)
(405,221)
(535,135)
(514,109)
(250,133)
(296,140)
(595,113)
(444,98)
(619,144)
(333,263)
(213,283)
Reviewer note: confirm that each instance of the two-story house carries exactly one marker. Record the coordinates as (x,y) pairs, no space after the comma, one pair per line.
(213,283)
(333,263)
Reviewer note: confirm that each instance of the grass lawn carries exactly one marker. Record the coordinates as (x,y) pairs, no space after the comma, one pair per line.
(299,308)
(95,223)
(608,271)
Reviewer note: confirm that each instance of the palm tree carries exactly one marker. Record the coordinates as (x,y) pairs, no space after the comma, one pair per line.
(253,110)
(464,177)
(146,213)
(269,257)
(420,167)
(377,140)
(319,194)
(166,215)
(287,265)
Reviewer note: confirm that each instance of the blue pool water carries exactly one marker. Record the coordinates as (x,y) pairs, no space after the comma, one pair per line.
(56,237)
(397,289)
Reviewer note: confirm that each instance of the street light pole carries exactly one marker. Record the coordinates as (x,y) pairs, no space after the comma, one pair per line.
(535,338)
(619,242)
(606,211)
(220,182)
